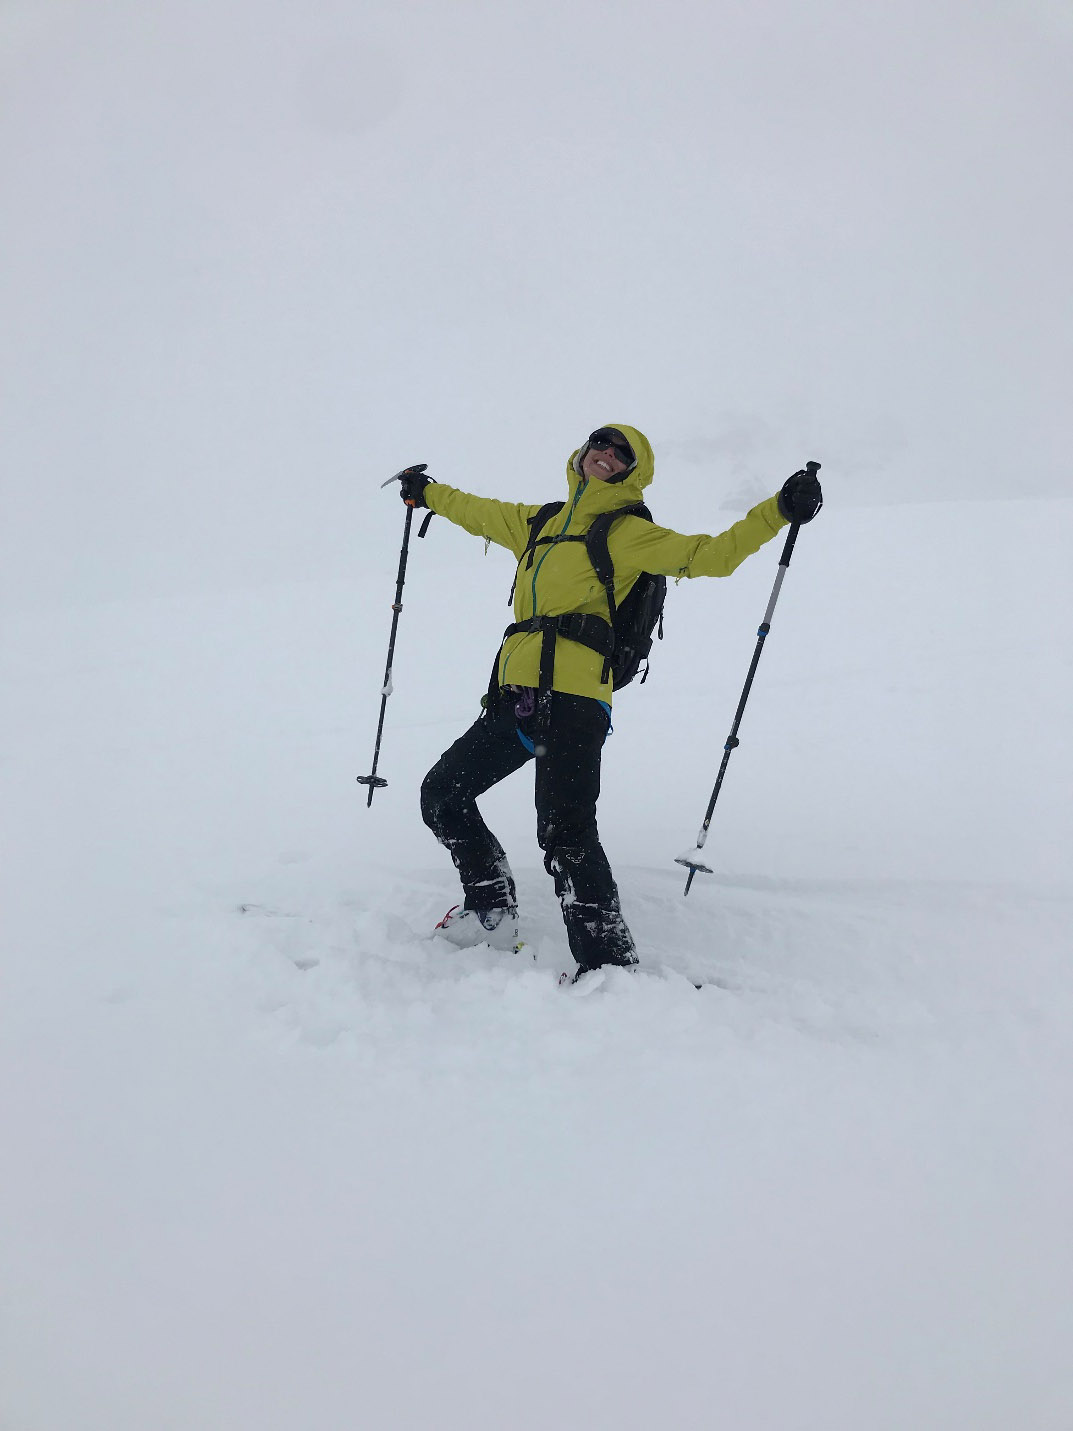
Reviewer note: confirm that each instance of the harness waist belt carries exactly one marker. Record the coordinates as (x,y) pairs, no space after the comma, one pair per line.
(591,631)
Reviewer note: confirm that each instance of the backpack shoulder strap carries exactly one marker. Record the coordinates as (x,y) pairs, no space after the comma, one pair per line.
(600,556)
(596,542)
(538,520)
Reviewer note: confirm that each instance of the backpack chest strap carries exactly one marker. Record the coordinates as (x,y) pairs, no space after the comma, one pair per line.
(547,542)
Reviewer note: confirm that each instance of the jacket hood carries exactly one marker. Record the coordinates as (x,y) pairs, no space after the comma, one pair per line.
(636,480)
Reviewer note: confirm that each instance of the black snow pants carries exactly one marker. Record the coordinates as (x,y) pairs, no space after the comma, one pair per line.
(567,787)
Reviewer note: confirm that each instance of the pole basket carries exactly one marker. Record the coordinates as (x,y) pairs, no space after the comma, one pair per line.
(375,783)
(693,864)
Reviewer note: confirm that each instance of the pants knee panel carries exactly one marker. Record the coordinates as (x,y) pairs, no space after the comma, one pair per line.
(434,799)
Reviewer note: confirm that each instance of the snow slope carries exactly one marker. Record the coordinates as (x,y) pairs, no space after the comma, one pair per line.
(274,1160)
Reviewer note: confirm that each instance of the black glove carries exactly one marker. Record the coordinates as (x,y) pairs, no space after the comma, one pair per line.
(412,484)
(801,498)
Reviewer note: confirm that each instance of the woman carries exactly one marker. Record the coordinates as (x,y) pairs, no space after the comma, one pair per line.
(550,694)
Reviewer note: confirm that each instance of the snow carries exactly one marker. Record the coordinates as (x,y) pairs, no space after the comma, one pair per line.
(274,1158)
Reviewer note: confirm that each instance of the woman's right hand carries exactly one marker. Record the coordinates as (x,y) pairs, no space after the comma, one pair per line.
(412,484)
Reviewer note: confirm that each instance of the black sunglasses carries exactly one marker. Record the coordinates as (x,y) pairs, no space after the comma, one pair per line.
(609,437)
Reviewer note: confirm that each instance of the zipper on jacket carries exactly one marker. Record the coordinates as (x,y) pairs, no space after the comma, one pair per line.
(548,548)
(543,559)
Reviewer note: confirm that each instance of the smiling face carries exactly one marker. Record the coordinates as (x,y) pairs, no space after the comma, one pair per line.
(601,465)
(606,458)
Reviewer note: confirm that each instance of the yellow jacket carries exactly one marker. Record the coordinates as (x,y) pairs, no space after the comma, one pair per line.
(562,578)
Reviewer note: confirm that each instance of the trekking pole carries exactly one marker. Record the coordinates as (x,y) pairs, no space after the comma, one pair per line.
(692,864)
(373,780)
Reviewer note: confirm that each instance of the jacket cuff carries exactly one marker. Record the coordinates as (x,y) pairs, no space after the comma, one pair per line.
(430,494)
(769,510)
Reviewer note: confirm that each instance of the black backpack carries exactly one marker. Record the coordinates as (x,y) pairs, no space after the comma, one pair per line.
(629,640)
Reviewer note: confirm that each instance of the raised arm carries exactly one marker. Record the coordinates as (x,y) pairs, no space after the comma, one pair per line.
(505,523)
(646,547)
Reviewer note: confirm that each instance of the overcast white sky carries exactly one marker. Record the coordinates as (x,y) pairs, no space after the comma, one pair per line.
(258,254)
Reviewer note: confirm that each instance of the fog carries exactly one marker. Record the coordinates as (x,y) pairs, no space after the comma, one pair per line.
(258,256)
(275,1160)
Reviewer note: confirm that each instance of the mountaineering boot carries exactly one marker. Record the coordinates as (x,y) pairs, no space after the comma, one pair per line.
(467,928)
(597,934)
